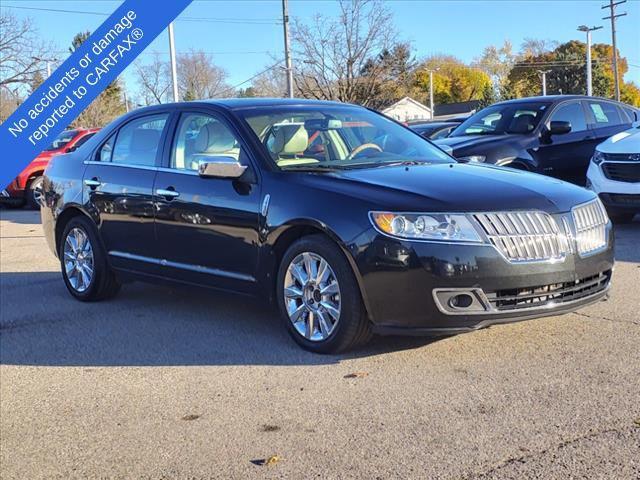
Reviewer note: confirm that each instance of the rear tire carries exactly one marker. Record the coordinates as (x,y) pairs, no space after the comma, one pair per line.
(34,192)
(320,296)
(85,270)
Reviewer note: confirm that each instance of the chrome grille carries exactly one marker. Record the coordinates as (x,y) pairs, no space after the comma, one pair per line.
(590,220)
(546,295)
(524,236)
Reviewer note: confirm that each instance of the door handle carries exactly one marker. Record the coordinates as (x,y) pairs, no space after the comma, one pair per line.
(93,183)
(167,193)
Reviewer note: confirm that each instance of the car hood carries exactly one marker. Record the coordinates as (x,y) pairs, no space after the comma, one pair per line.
(623,142)
(455,187)
(470,140)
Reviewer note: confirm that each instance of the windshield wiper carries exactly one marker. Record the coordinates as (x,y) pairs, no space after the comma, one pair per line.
(308,168)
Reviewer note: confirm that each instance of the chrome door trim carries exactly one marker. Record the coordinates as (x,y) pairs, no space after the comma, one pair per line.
(183,266)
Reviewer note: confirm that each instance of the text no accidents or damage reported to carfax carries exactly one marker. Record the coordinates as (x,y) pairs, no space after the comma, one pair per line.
(58,103)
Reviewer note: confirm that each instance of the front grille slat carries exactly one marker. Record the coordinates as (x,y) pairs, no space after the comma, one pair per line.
(523,236)
(543,295)
(590,220)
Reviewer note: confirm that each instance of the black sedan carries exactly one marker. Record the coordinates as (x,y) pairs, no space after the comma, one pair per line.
(552,135)
(350,222)
(434,130)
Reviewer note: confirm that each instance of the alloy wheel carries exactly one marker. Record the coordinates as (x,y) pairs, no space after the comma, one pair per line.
(312,296)
(38,192)
(78,259)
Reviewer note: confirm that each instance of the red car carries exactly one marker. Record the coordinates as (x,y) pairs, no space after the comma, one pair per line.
(27,187)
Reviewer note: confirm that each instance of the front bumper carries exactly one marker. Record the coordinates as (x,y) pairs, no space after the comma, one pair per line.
(399,278)
(616,196)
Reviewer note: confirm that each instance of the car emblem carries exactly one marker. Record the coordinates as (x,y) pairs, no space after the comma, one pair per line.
(635,157)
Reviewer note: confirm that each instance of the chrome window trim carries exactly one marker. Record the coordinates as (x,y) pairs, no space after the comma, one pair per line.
(183,266)
(125,165)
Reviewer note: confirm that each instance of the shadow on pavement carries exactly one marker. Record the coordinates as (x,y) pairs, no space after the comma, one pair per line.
(147,325)
(21,216)
(628,241)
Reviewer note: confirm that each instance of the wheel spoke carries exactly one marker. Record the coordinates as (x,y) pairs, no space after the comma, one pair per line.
(330,289)
(324,323)
(69,267)
(331,310)
(299,274)
(297,313)
(322,272)
(310,325)
(310,266)
(73,244)
(292,292)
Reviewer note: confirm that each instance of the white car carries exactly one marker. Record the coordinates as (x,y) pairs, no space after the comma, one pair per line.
(614,174)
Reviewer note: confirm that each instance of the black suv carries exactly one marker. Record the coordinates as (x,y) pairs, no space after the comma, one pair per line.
(552,135)
(350,222)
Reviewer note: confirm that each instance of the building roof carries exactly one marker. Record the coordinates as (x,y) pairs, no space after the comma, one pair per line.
(407,100)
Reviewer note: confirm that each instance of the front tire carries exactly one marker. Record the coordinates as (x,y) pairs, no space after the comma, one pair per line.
(319,298)
(34,192)
(85,269)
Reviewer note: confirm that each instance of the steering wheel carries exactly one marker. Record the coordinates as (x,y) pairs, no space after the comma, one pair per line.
(362,148)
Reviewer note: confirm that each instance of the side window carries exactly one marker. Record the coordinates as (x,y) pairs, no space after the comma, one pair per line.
(104,154)
(632,114)
(83,140)
(200,136)
(137,142)
(605,114)
(572,113)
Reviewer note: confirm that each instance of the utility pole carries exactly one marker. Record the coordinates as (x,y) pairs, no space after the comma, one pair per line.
(612,16)
(172,56)
(47,61)
(544,81)
(431,106)
(287,47)
(584,28)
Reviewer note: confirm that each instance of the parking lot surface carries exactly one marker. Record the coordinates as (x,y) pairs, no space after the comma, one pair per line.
(183,383)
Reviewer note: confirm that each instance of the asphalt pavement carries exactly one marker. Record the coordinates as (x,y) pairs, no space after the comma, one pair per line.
(185,383)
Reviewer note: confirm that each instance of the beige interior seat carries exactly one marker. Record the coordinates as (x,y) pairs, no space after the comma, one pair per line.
(290,141)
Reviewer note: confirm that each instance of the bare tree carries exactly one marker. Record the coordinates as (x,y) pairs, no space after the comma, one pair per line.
(200,78)
(272,82)
(21,51)
(154,79)
(336,51)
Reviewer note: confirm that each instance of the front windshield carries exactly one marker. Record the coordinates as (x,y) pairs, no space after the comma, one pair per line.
(336,137)
(519,118)
(62,140)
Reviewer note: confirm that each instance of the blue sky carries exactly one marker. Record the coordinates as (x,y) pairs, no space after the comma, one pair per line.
(460,28)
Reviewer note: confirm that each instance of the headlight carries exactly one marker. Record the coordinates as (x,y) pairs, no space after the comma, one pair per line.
(426,226)
(473,158)
(598,157)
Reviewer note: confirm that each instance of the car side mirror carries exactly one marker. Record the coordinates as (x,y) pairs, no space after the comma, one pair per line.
(220,167)
(558,127)
(70,149)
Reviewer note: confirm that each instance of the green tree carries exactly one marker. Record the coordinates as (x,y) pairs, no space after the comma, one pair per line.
(108,105)
(453,81)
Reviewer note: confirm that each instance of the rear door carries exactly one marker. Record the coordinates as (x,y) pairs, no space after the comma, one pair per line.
(118,188)
(567,156)
(207,228)
(606,119)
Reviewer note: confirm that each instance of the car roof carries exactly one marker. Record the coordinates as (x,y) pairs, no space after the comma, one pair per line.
(551,99)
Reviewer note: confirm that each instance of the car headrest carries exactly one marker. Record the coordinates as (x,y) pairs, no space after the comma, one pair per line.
(144,139)
(522,124)
(214,137)
(290,139)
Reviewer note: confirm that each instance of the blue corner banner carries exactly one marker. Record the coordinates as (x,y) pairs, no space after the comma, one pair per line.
(80,79)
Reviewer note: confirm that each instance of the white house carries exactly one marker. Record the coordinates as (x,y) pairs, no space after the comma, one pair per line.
(408,109)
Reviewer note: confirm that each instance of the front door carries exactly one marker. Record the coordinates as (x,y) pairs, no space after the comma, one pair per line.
(567,156)
(207,228)
(118,188)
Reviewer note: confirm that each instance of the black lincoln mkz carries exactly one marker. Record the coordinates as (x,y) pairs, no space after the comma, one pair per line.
(351,222)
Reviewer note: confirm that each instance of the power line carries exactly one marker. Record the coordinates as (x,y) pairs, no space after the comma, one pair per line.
(232,88)
(248,21)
